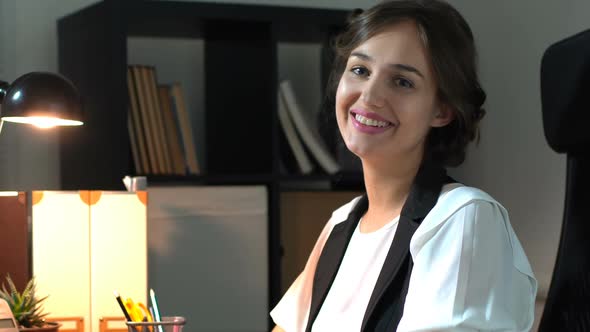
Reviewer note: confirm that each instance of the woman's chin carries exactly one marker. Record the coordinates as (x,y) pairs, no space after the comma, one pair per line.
(362,151)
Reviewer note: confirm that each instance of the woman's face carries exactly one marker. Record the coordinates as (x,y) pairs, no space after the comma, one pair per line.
(386,99)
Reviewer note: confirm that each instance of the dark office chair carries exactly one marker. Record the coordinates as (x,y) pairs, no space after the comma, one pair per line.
(565,95)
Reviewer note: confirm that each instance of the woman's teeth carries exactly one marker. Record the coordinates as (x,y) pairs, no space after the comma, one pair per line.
(370,122)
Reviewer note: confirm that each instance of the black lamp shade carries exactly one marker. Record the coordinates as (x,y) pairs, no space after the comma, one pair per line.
(46,97)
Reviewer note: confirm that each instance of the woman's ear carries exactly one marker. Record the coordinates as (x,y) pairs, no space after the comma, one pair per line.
(443,116)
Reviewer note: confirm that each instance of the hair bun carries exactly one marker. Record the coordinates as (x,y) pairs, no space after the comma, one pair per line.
(478,114)
(479,97)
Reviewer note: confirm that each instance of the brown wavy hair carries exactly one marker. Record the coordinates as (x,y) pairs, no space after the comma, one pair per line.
(449,40)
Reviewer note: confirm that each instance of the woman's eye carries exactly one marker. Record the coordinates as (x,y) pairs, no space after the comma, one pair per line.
(404,83)
(360,71)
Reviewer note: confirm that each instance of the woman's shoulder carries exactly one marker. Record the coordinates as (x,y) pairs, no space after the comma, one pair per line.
(456,195)
(453,196)
(341,214)
(467,241)
(458,200)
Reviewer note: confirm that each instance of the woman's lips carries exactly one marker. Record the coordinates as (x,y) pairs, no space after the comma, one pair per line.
(368,122)
(370,115)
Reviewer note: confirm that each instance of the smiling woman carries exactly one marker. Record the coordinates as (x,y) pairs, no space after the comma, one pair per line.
(389,79)
(418,251)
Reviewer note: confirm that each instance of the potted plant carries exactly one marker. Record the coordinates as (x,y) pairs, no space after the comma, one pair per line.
(27,307)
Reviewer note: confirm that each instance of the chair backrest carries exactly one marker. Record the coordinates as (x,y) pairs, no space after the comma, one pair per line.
(104,324)
(565,96)
(69,324)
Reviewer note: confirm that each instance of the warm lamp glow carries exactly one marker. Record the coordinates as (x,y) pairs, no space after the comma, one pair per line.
(43,121)
(8,193)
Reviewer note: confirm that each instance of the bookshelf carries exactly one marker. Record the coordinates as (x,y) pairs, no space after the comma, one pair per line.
(240,77)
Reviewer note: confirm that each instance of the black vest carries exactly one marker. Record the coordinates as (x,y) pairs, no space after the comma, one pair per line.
(386,304)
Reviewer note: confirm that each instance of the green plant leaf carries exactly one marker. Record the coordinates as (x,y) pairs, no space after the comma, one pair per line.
(26,307)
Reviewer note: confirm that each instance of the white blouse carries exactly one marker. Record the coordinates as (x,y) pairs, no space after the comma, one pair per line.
(470,271)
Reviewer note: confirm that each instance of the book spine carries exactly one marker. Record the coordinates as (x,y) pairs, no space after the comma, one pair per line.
(185,129)
(136,130)
(304,164)
(153,119)
(164,149)
(172,131)
(154,167)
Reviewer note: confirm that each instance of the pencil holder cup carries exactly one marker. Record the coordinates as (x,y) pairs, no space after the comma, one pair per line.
(168,324)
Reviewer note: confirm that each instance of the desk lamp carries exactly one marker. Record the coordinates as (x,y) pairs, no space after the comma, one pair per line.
(42,99)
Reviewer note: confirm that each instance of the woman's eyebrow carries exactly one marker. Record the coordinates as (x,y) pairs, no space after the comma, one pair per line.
(407,68)
(398,66)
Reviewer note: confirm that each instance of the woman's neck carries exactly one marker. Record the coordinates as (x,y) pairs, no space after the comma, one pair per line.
(387,186)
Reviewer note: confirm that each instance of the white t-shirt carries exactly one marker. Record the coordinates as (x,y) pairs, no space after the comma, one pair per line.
(470,272)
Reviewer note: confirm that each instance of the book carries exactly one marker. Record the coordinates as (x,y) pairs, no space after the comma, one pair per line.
(311,138)
(136,73)
(164,149)
(172,132)
(154,118)
(136,130)
(159,128)
(304,164)
(185,128)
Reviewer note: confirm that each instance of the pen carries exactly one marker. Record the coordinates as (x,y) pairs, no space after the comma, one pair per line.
(157,317)
(118,297)
(127,317)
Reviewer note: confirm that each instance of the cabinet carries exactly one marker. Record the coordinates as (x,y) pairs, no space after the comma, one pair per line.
(212,241)
(77,246)
(240,87)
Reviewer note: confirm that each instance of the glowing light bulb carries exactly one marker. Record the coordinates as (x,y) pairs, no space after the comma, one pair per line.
(44,121)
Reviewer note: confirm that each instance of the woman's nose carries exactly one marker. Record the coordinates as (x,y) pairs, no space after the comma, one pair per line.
(373,93)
